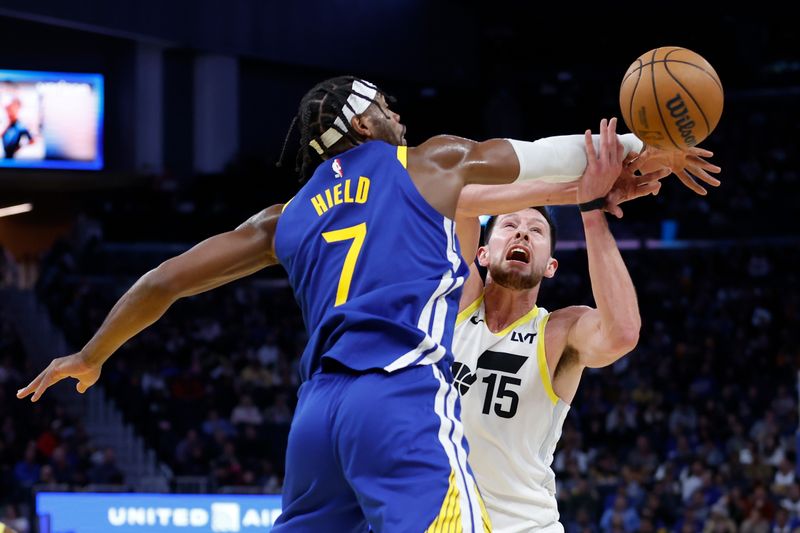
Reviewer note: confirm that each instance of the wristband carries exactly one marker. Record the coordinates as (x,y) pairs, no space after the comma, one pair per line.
(597,203)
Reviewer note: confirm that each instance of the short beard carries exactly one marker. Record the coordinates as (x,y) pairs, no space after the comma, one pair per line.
(514,280)
(387,134)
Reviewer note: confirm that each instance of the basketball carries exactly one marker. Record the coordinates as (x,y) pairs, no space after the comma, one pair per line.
(671,98)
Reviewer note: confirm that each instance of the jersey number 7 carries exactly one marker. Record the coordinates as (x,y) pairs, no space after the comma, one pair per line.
(356,234)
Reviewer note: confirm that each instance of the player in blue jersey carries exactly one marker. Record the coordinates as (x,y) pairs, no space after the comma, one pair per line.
(15,131)
(370,250)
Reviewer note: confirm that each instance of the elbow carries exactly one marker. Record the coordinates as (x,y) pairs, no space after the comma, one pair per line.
(613,349)
(629,339)
(465,208)
(624,339)
(615,344)
(160,284)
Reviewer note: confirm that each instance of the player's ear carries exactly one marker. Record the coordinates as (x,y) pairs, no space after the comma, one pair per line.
(360,124)
(552,266)
(483,256)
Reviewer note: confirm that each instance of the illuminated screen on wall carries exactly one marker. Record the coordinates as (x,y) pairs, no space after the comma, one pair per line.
(51,120)
(86,512)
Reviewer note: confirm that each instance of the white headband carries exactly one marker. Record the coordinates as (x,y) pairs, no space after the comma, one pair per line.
(362,94)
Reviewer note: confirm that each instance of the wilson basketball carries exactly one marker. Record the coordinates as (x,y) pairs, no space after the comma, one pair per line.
(671,98)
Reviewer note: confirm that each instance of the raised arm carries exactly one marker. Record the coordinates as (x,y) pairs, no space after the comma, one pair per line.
(213,262)
(601,336)
(476,200)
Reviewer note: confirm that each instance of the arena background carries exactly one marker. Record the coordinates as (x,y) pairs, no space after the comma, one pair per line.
(694,431)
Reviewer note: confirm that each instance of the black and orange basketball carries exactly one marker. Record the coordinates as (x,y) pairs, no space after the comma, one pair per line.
(671,98)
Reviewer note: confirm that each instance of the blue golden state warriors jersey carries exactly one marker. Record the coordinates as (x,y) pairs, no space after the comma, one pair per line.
(376,270)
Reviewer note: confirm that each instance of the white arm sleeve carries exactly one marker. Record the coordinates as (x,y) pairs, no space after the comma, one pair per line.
(562,158)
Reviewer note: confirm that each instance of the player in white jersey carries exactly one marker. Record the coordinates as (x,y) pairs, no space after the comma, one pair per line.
(517,366)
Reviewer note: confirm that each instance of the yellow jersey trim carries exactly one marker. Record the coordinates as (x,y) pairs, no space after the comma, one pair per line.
(463,315)
(449,518)
(402,155)
(541,356)
(530,315)
(286,204)
(487,523)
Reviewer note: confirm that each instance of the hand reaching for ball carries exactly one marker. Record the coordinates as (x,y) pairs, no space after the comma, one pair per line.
(642,174)
(685,164)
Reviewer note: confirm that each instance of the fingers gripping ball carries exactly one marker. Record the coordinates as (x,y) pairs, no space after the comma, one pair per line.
(671,98)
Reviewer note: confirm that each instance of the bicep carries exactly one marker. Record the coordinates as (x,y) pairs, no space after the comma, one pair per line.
(587,337)
(491,162)
(225,257)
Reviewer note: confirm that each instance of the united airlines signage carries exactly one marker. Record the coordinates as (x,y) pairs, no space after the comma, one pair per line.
(61,512)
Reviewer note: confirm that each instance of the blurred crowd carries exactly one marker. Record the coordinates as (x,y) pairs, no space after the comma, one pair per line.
(40,444)
(693,431)
(696,429)
(211,386)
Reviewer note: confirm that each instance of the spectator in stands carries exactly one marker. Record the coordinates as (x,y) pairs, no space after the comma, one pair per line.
(214,423)
(792,501)
(620,514)
(63,471)
(106,472)
(784,478)
(246,413)
(27,471)
(13,521)
(719,522)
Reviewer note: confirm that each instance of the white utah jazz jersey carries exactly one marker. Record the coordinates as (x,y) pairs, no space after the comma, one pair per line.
(512,418)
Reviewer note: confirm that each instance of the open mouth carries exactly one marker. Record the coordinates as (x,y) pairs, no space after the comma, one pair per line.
(518,254)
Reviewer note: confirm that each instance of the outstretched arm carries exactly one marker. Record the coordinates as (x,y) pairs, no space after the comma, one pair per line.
(500,161)
(552,166)
(547,171)
(214,262)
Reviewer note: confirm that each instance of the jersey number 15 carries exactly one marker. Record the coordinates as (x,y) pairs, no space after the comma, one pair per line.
(502,393)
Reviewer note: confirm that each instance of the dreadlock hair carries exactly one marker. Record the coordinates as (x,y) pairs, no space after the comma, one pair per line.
(317,116)
(546,213)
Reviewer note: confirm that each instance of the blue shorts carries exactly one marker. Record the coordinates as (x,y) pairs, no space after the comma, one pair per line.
(379,451)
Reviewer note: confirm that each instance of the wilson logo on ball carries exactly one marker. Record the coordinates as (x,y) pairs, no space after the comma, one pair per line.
(679,111)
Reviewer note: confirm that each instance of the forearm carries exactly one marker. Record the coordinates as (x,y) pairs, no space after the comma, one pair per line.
(468,231)
(549,171)
(144,303)
(561,158)
(478,200)
(612,287)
